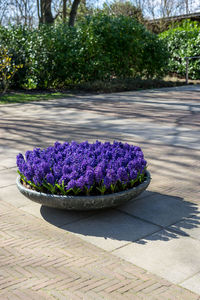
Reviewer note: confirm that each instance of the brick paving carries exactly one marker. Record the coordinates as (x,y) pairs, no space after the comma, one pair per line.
(41,261)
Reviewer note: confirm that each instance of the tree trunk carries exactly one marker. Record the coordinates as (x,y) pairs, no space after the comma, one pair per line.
(48,18)
(38,11)
(45,15)
(64,11)
(73,12)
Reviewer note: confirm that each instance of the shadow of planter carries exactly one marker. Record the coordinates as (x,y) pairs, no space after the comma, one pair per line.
(135,221)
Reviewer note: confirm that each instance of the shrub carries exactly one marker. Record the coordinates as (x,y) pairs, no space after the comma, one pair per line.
(183,41)
(99,48)
(17,41)
(43,53)
(119,47)
(83,168)
(7,69)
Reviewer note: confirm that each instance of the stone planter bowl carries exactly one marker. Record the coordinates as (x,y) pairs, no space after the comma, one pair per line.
(84,202)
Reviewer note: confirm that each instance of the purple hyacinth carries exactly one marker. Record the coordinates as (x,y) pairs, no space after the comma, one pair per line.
(98,174)
(122,174)
(89,177)
(20,161)
(133,174)
(74,175)
(65,179)
(66,169)
(28,154)
(107,181)
(45,167)
(50,178)
(112,175)
(71,184)
(57,170)
(81,182)
(82,164)
(28,173)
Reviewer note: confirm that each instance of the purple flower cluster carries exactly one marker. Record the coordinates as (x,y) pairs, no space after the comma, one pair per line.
(82,166)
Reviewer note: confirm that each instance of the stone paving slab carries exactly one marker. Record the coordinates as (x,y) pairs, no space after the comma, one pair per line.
(163,210)
(8,177)
(188,226)
(111,229)
(9,162)
(166,254)
(192,283)
(54,216)
(41,260)
(11,195)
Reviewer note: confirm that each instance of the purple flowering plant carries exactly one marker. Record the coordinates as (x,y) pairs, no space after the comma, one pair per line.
(82,168)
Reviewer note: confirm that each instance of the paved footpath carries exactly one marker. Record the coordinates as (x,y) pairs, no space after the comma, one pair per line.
(146,249)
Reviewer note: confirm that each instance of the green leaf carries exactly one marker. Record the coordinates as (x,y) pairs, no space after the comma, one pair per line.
(102,189)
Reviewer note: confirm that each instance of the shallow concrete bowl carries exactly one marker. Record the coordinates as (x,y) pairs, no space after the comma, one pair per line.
(84,202)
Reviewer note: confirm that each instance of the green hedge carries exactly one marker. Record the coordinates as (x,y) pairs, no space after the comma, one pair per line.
(99,48)
(183,41)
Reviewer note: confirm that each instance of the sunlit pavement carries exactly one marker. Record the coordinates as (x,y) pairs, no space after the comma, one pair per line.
(146,248)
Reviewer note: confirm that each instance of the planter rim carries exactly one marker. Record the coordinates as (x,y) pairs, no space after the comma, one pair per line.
(84,202)
(122,193)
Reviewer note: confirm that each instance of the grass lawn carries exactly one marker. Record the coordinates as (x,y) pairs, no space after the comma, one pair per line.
(22,97)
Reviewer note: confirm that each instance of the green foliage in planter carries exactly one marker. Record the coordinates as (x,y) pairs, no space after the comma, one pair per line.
(183,41)
(98,48)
